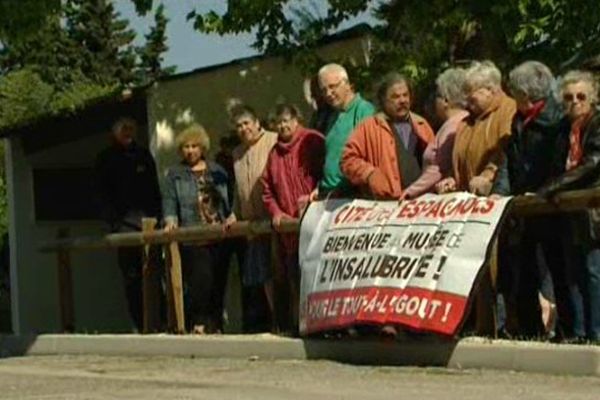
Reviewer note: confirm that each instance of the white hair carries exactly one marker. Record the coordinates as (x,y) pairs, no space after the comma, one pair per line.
(576,76)
(483,74)
(336,69)
(532,79)
(450,85)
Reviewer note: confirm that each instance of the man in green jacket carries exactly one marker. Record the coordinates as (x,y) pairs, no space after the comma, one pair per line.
(350,109)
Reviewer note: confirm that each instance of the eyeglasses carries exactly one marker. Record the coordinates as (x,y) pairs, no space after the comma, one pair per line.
(569,97)
(333,86)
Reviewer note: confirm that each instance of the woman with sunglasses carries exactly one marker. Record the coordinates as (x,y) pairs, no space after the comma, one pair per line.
(195,192)
(579,162)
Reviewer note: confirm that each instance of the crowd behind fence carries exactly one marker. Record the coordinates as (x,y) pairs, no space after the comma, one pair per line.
(521,136)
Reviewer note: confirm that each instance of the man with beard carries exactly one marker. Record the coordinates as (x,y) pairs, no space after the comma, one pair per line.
(384,154)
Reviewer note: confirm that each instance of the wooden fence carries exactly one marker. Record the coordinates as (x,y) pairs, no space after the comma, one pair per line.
(64,245)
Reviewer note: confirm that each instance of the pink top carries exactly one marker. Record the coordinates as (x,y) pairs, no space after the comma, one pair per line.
(437,158)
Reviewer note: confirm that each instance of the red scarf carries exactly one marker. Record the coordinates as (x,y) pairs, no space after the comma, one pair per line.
(575,145)
(533,112)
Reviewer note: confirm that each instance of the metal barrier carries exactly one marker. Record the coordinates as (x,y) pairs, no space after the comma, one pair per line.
(64,245)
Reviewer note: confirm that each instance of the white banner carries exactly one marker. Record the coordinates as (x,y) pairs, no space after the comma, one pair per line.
(412,263)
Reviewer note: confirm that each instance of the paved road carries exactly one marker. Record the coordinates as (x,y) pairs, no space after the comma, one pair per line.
(100,378)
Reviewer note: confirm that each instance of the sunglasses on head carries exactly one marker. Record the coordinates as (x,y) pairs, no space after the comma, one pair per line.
(570,97)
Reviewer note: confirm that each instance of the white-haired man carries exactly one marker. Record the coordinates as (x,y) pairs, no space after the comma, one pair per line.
(350,109)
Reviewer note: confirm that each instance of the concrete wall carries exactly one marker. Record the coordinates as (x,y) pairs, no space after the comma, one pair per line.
(99,298)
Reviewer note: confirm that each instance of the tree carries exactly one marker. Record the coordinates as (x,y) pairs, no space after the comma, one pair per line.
(151,54)
(107,55)
(422,37)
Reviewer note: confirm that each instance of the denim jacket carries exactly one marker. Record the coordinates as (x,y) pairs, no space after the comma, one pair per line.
(180,197)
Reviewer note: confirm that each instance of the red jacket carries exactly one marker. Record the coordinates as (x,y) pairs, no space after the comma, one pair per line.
(372,146)
(292,171)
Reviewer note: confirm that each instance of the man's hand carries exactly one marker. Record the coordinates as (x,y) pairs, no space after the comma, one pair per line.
(480,186)
(446,185)
(378,184)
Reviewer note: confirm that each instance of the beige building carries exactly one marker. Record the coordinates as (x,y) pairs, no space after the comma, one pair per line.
(50,183)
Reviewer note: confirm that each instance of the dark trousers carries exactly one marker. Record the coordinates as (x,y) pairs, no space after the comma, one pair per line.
(130,264)
(202,299)
(255,313)
(532,260)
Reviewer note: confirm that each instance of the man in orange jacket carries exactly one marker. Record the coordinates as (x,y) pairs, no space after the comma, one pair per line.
(384,153)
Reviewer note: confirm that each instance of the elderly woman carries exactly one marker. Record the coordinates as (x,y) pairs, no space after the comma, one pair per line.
(450,104)
(579,158)
(539,260)
(477,152)
(476,158)
(293,170)
(195,192)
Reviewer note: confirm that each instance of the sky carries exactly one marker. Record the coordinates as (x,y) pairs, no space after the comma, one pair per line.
(190,49)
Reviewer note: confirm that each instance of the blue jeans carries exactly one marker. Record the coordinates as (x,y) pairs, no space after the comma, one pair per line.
(591,292)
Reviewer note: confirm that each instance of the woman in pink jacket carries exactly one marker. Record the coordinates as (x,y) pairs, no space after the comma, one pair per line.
(450,106)
(293,170)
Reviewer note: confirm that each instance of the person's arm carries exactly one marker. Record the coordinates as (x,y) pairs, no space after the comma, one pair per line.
(482,183)
(502,182)
(269,197)
(170,202)
(353,164)
(581,176)
(358,170)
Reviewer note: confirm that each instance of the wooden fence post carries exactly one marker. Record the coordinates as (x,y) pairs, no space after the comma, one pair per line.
(175,288)
(150,282)
(65,286)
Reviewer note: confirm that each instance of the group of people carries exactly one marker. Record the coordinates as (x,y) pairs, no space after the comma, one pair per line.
(541,138)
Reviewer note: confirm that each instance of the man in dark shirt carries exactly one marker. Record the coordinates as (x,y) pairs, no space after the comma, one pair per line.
(128,191)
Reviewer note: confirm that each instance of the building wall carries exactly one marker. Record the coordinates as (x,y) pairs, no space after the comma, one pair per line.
(98,292)
(202,97)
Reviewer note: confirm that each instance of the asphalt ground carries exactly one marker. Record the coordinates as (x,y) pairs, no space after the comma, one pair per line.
(101,377)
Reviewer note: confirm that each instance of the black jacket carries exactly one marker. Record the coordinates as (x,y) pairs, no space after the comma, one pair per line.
(127,186)
(587,174)
(530,152)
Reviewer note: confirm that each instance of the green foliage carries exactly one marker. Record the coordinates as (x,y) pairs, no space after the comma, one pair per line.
(24,96)
(422,37)
(79,54)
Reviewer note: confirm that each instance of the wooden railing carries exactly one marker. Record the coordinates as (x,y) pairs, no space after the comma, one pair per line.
(64,245)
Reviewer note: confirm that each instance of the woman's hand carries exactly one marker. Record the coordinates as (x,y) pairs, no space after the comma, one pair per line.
(170,226)
(446,185)
(229,221)
(276,221)
(480,186)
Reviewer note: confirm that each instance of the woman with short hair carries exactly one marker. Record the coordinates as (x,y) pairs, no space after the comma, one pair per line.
(539,268)
(195,193)
(450,107)
(579,159)
(293,170)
